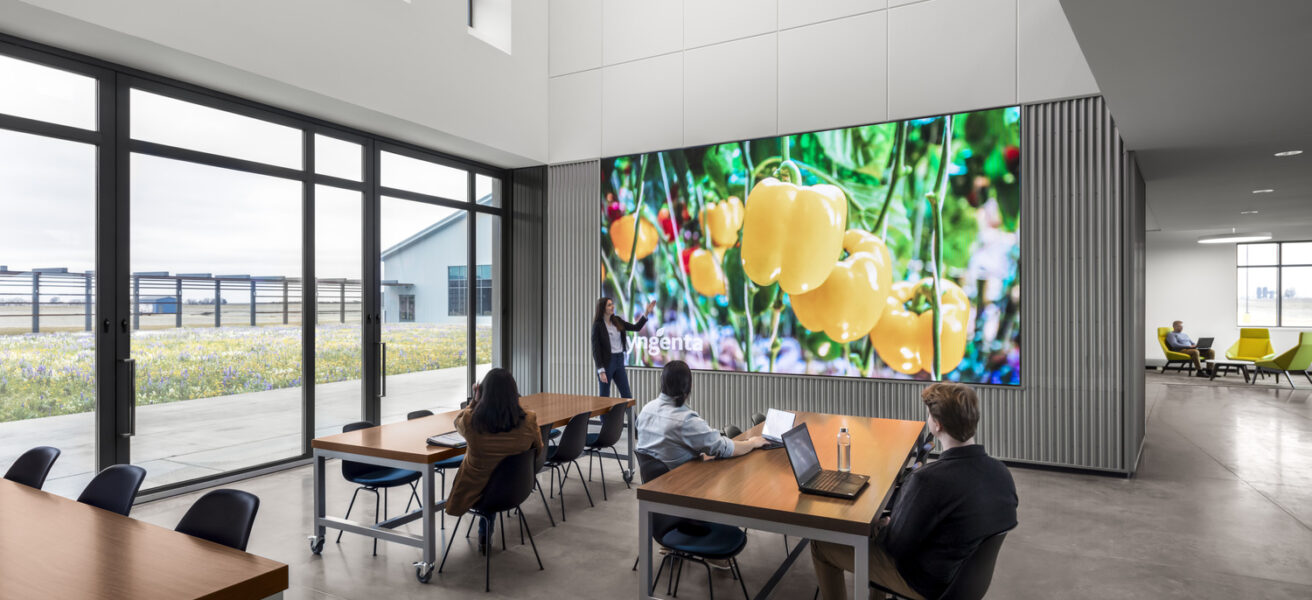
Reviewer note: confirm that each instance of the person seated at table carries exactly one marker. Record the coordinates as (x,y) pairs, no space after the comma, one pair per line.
(1179,341)
(495,427)
(669,430)
(943,511)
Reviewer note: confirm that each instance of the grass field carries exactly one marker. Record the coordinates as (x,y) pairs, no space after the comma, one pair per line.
(50,374)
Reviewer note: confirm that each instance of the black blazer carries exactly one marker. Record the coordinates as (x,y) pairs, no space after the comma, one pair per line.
(601,349)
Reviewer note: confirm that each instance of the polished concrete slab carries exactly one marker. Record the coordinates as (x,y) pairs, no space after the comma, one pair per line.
(1221,508)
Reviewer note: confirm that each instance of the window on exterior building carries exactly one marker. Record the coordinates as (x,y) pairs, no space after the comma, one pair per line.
(1275,284)
(457,291)
(407,308)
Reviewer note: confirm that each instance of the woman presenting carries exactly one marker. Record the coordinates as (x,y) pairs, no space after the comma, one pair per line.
(609,345)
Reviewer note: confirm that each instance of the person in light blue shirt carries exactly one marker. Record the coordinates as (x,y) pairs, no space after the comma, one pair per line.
(1179,341)
(669,431)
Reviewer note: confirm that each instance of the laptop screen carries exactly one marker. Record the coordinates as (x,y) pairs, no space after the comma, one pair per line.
(801,453)
(776,423)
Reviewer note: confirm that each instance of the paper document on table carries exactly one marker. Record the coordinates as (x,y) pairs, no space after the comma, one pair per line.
(776,423)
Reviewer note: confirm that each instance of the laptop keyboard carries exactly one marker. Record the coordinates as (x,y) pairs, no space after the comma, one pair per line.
(828,480)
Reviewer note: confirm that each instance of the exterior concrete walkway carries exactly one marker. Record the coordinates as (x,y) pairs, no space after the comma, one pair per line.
(207,436)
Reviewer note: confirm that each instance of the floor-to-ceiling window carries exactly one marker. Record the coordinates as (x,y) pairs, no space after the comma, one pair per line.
(47,263)
(264,278)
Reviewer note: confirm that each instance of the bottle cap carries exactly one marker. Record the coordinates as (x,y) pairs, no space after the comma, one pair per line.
(842,429)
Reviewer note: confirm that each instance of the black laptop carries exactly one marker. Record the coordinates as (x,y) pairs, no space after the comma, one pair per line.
(1205,343)
(811,479)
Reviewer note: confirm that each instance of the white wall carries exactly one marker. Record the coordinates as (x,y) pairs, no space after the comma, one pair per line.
(1195,283)
(408,69)
(638,75)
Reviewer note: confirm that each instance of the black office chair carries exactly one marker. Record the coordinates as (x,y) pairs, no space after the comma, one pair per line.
(541,465)
(442,465)
(372,478)
(223,517)
(689,540)
(114,489)
(509,485)
(974,575)
(757,419)
(565,453)
(732,431)
(612,426)
(32,467)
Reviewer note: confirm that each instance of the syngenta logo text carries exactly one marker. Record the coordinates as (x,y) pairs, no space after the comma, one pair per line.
(655,344)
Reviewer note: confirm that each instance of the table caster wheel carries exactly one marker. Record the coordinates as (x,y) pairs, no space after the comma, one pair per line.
(423,572)
(316,544)
(628,477)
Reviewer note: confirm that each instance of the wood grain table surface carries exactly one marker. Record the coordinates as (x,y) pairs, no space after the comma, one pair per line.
(52,547)
(761,484)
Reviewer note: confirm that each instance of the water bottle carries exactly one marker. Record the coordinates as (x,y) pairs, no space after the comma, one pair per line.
(844,450)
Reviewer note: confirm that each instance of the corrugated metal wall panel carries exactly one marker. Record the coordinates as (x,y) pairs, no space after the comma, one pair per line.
(528,212)
(1080,264)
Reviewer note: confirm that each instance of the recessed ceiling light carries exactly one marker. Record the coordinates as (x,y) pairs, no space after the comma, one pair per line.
(1248,212)
(1289,153)
(1266,191)
(1235,238)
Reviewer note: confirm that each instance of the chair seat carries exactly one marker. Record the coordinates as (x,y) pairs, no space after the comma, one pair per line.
(709,540)
(450,463)
(386,478)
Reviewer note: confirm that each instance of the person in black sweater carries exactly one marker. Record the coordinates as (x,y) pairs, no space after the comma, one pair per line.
(609,343)
(942,513)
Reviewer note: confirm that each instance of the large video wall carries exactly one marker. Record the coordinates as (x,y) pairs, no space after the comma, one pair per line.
(881,251)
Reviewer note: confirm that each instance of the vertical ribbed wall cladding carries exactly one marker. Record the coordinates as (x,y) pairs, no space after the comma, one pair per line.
(1081,399)
(528,213)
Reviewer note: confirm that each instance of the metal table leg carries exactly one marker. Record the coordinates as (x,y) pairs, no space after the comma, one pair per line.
(320,506)
(644,550)
(633,441)
(424,568)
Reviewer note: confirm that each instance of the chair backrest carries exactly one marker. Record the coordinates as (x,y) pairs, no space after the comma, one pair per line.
(758,418)
(510,483)
(418,414)
(223,517)
(975,575)
(1255,342)
(352,470)
(612,425)
(32,467)
(114,489)
(1298,358)
(571,441)
(732,431)
(650,467)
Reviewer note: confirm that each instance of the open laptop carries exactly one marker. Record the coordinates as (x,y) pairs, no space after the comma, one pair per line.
(1205,343)
(777,422)
(811,479)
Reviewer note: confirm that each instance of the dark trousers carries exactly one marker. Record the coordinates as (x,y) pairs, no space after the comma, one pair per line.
(616,374)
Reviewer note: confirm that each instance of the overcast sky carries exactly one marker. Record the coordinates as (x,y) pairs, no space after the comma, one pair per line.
(189,218)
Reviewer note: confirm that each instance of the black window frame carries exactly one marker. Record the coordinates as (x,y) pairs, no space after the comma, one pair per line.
(112,297)
(1279,265)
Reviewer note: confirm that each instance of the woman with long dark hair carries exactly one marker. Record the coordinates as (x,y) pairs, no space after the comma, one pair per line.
(609,343)
(495,427)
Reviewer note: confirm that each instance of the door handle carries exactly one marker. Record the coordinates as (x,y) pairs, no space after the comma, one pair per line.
(132,398)
(383,370)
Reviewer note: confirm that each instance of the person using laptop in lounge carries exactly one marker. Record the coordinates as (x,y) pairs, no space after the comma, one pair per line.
(943,511)
(1179,341)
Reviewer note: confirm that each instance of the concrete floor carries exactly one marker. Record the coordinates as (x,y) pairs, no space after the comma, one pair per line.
(1221,508)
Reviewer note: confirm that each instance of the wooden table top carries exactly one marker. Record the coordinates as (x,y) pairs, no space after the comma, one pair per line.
(761,484)
(53,547)
(408,440)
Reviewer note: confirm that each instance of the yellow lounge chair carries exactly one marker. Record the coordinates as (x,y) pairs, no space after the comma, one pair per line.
(1294,360)
(1254,344)
(1181,360)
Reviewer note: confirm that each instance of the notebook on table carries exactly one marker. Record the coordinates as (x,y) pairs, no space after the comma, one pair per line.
(777,422)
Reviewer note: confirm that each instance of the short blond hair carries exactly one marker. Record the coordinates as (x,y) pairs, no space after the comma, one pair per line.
(954,406)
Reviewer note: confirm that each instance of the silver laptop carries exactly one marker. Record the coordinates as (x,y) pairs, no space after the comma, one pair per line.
(777,422)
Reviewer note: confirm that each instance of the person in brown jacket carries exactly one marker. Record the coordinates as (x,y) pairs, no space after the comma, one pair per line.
(495,426)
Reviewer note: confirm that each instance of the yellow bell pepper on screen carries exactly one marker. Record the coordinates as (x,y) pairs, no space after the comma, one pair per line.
(905,339)
(621,237)
(792,234)
(850,302)
(706,274)
(724,219)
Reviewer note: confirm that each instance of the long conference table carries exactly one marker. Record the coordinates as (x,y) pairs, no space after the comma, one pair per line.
(404,445)
(758,491)
(52,548)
